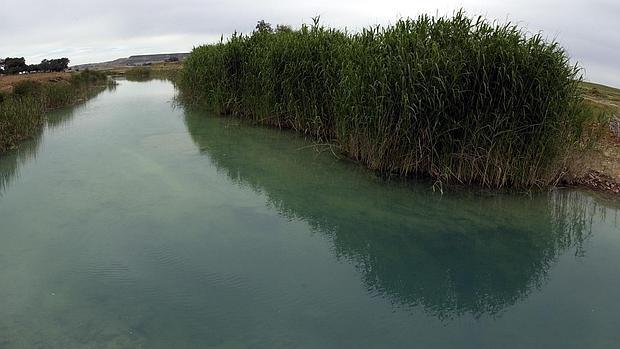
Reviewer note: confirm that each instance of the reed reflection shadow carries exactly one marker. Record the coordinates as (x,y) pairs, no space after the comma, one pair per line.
(12,161)
(460,253)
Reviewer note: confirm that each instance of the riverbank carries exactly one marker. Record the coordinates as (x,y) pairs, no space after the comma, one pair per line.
(166,70)
(598,166)
(7,82)
(24,99)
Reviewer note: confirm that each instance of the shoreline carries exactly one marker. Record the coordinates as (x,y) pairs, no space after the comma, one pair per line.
(596,169)
(26,99)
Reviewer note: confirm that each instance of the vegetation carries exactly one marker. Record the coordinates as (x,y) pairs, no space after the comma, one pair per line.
(22,111)
(166,70)
(138,73)
(456,98)
(18,65)
(597,164)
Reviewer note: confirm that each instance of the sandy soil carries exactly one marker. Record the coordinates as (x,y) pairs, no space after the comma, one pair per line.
(7,81)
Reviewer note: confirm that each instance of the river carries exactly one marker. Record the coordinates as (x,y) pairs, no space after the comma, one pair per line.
(131,221)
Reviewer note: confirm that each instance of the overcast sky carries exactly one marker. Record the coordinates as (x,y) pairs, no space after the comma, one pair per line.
(94,31)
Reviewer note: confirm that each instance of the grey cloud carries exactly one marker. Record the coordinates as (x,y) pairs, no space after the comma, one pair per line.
(101,30)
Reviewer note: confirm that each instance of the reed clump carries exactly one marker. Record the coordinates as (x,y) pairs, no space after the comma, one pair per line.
(459,99)
(160,71)
(138,74)
(22,111)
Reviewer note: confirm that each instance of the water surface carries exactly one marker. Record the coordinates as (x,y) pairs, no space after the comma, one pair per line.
(130,222)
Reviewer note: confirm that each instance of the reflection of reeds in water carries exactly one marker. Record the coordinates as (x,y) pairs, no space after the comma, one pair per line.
(22,111)
(573,214)
(58,119)
(11,161)
(481,269)
(451,255)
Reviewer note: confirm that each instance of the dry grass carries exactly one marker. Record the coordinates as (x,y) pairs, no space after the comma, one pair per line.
(598,167)
(8,81)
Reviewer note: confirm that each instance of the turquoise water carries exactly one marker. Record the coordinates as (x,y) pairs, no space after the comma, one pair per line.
(132,222)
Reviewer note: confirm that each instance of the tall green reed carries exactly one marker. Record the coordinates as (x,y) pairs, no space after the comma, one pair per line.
(456,98)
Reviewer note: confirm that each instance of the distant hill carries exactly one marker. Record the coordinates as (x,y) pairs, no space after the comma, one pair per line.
(132,61)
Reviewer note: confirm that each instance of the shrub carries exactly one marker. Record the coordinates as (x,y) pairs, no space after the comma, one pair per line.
(27,88)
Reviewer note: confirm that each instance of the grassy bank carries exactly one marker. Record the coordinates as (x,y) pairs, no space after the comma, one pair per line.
(22,108)
(458,99)
(138,73)
(165,70)
(598,165)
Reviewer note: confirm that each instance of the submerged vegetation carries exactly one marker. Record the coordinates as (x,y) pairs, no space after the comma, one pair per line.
(22,110)
(459,99)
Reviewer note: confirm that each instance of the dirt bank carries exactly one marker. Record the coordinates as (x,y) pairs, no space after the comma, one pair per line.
(599,167)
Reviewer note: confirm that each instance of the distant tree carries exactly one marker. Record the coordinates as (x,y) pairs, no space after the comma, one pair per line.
(44,65)
(17,65)
(59,64)
(283,28)
(263,27)
(14,65)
